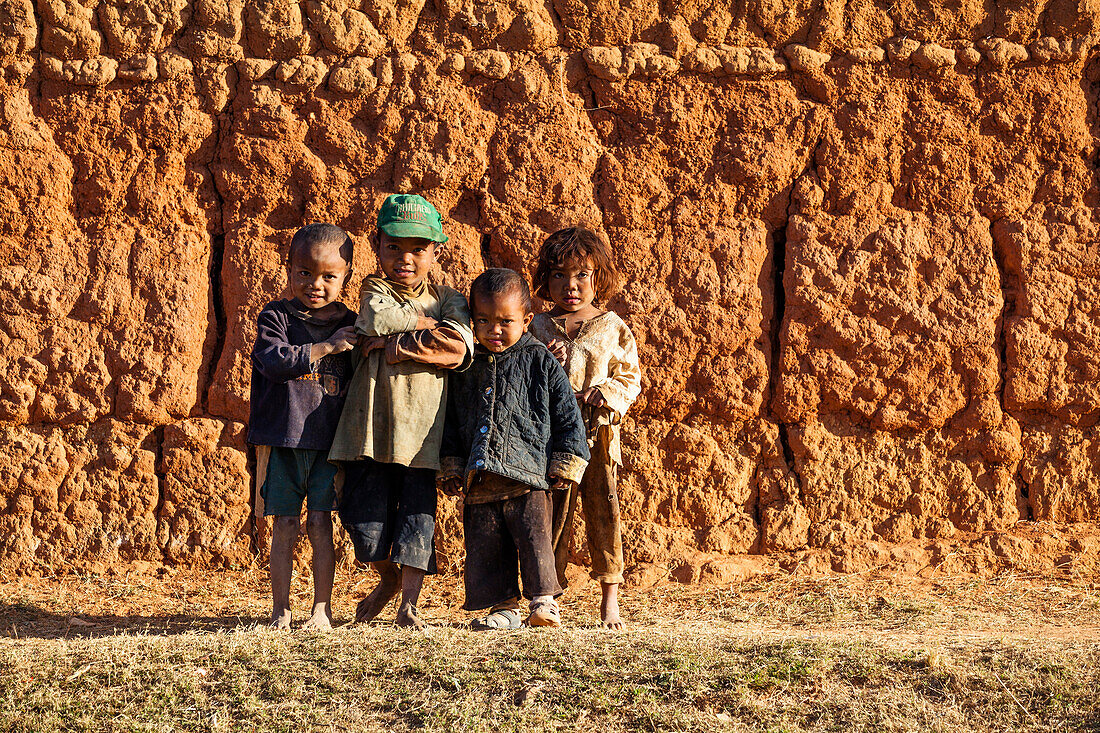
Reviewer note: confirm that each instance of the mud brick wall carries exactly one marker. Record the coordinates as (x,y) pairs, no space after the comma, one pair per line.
(861,239)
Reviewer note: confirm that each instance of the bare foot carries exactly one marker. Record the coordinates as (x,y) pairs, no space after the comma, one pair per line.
(281,620)
(609,607)
(373,604)
(408,617)
(319,621)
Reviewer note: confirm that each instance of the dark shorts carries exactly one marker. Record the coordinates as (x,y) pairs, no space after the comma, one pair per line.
(501,535)
(389,512)
(293,475)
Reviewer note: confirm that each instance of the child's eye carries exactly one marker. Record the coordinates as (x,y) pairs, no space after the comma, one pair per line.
(582,275)
(303,273)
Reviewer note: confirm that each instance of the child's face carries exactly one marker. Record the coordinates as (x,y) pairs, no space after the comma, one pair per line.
(571,285)
(405,260)
(499,321)
(317,275)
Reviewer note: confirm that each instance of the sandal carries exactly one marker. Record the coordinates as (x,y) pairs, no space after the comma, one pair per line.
(545,613)
(505,619)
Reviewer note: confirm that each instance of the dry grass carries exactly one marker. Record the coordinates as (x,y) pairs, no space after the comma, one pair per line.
(776,654)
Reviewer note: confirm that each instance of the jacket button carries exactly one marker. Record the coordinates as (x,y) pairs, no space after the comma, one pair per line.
(479,463)
(484,429)
(490,360)
(488,390)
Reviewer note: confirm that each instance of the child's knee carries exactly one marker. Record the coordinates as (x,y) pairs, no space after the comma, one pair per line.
(285,523)
(319,524)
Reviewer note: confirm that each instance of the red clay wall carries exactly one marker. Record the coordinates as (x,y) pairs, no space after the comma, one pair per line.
(861,241)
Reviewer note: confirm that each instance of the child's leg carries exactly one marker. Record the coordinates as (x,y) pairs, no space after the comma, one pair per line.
(319,529)
(412,580)
(562,525)
(389,582)
(284,534)
(368,509)
(490,576)
(413,537)
(282,489)
(528,518)
(600,504)
(320,503)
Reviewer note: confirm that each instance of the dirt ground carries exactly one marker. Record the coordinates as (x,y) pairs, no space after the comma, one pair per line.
(890,608)
(775,652)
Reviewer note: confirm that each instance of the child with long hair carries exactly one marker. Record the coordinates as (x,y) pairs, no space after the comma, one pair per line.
(576,273)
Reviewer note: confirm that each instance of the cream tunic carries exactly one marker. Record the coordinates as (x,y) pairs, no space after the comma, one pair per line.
(394,411)
(603,355)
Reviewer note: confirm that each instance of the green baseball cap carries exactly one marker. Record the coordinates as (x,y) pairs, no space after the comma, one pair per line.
(409,215)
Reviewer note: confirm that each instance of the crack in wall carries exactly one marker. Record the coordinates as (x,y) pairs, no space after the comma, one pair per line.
(1010,293)
(779,307)
(590,105)
(214,273)
(161,476)
(486,248)
(555,16)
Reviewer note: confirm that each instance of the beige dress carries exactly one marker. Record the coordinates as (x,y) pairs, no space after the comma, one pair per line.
(604,355)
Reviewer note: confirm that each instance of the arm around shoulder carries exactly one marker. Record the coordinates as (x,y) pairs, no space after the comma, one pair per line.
(455,313)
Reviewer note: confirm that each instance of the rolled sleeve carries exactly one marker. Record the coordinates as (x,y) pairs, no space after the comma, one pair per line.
(567,466)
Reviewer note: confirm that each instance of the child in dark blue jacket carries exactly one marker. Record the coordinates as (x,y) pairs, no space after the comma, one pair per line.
(513,433)
(301,366)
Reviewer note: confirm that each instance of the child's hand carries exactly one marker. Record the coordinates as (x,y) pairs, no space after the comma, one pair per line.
(562,484)
(426,323)
(343,340)
(450,486)
(557,348)
(591,396)
(371,343)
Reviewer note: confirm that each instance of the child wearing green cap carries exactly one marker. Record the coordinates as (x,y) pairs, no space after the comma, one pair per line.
(390,430)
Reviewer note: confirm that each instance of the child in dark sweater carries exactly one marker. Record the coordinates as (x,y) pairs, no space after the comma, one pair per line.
(512,434)
(301,366)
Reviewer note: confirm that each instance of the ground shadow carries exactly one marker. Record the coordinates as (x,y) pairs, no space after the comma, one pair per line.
(28,621)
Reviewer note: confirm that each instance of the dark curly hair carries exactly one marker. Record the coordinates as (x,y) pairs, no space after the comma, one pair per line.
(577,244)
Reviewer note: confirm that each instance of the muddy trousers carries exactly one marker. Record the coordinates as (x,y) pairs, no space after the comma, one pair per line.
(501,535)
(599,499)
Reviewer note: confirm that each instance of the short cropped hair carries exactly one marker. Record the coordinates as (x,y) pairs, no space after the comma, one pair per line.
(312,235)
(498,281)
(577,244)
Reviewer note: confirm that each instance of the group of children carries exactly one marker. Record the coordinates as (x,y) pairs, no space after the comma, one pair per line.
(424,391)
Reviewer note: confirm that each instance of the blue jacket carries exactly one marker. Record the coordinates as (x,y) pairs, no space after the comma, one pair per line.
(296,403)
(515,415)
